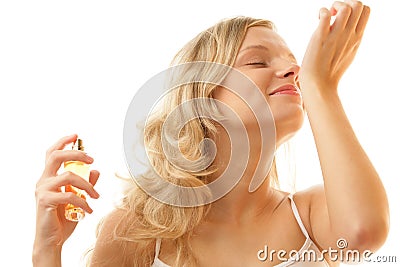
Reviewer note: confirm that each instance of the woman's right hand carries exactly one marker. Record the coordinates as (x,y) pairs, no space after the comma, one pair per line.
(52,229)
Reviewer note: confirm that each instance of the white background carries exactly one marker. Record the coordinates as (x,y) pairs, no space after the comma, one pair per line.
(74,66)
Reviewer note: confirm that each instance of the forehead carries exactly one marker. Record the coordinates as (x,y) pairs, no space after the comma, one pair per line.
(263,36)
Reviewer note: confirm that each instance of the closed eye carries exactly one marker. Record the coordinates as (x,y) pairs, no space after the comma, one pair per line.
(262,64)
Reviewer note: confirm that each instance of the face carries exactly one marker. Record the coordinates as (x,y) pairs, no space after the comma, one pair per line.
(267,61)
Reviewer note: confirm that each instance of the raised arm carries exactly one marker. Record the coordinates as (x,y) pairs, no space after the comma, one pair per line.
(353,203)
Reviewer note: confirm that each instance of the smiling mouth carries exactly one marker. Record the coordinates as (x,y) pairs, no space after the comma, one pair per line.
(286,90)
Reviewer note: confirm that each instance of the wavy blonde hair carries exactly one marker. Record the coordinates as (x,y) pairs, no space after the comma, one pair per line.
(146,219)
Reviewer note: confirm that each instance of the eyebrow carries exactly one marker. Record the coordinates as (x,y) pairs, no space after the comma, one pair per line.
(254,47)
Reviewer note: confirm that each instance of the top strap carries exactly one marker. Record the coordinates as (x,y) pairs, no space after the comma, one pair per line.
(297,216)
(158,246)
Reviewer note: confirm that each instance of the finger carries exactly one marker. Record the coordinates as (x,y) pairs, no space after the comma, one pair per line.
(324,22)
(53,200)
(69,178)
(94,176)
(362,22)
(69,198)
(60,144)
(356,11)
(342,11)
(59,156)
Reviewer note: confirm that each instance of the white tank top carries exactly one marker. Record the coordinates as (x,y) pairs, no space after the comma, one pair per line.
(308,245)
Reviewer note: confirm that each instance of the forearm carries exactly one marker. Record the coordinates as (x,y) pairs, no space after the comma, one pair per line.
(356,198)
(46,256)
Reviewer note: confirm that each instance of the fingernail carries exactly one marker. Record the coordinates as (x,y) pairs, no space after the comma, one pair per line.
(96,194)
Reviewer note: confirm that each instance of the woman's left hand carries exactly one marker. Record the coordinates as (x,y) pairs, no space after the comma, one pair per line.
(332,47)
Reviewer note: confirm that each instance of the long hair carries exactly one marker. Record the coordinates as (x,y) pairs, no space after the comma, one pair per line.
(150,219)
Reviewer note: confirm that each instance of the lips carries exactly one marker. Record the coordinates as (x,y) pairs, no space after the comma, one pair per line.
(287,89)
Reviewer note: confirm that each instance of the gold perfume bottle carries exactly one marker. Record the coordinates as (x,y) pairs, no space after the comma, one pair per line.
(72,212)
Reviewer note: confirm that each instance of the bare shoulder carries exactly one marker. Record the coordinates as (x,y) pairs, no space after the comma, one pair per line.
(306,202)
(110,249)
(311,194)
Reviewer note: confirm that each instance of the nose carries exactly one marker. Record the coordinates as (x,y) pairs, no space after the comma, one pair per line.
(287,70)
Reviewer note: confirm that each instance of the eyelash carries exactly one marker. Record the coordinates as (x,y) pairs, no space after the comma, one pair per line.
(257,64)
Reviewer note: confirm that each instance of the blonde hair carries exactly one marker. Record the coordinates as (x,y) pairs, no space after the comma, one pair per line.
(145,219)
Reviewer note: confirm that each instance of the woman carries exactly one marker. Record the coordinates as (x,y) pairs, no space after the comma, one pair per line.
(235,229)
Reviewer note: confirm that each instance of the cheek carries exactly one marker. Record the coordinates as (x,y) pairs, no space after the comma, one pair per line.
(261,77)
(237,104)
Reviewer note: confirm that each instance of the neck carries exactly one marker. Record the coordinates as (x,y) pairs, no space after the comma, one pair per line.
(240,205)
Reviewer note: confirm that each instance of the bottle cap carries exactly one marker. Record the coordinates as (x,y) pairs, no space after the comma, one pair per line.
(78,145)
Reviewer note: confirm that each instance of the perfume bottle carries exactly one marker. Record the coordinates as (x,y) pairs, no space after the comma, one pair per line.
(72,212)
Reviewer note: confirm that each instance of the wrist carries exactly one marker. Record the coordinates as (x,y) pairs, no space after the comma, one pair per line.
(46,256)
(314,94)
